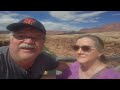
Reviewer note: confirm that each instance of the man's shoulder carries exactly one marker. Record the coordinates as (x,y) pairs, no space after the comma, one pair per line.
(46,54)
(3,49)
(46,57)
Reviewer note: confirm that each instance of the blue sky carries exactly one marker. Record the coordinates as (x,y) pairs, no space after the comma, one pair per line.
(62,20)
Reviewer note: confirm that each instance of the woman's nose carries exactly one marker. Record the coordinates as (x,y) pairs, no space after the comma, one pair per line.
(79,51)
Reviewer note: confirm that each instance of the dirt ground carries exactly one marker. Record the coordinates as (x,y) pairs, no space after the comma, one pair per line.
(60,45)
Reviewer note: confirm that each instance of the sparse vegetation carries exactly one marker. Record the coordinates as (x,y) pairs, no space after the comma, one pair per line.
(60,44)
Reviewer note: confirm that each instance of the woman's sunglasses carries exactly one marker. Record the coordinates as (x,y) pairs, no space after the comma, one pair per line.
(83,48)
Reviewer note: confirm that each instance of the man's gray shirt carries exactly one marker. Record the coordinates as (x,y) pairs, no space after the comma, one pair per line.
(10,70)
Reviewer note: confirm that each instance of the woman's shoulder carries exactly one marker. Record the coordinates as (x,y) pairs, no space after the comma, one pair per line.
(109,73)
(74,65)
(112,71)
(70,72)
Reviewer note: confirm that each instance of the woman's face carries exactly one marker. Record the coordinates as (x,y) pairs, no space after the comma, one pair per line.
(86,51)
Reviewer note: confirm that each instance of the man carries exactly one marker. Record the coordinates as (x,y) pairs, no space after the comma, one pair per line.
(24,57)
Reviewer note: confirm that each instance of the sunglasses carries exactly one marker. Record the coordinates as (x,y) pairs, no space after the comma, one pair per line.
(83,48)
(22,37)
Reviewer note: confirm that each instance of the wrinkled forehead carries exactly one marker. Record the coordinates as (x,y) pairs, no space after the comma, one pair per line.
(28,30)
(86,41)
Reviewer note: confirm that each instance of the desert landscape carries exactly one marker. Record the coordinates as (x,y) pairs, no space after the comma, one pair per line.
(59,42)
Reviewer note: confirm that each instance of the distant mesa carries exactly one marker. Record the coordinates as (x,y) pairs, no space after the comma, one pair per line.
(106,28)
(4,32)
(114,27)
(55,32)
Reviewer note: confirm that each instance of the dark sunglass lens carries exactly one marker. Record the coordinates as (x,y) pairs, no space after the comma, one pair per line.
(85,48)
(75,47)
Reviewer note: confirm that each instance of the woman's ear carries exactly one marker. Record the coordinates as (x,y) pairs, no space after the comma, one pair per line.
(101,52)
(99,55)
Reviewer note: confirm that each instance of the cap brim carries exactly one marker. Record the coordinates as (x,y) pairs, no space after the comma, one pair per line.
(18,26)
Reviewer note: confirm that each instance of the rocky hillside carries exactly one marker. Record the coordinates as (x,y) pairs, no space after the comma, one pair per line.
(60,44)
(106,28)
(53,32)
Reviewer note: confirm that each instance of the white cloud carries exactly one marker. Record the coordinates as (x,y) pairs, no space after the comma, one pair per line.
(63,15)
(71,18)
(77,16)
(60,26)
(7,17)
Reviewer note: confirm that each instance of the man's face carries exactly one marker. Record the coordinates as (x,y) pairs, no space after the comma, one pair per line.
(26,44)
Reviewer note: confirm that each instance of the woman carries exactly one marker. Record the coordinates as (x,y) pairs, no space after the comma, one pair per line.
(91,63)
